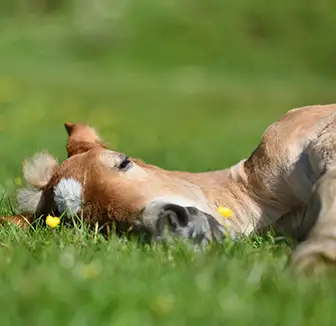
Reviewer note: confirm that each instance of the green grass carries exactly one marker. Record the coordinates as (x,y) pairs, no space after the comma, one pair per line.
(153,97)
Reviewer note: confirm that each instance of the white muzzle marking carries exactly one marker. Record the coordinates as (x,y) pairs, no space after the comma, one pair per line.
(68,196)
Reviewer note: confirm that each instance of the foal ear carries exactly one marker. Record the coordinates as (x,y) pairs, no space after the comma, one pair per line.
(82,138)
(69,127)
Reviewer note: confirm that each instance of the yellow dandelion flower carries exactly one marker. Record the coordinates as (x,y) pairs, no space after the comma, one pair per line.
(52,221)
(225,211)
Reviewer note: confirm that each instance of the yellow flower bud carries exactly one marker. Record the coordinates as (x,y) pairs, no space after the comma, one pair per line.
(52,221)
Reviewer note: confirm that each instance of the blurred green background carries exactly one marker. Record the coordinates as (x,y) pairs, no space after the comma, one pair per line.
(183,84)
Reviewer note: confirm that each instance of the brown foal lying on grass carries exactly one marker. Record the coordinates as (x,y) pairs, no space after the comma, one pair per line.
(272,188)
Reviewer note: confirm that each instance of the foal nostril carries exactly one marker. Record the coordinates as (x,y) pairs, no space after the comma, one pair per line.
(176,215)
(188,222)
(172,217)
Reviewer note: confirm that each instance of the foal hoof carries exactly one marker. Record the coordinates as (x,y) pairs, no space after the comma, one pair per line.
(22,221)
(314,256)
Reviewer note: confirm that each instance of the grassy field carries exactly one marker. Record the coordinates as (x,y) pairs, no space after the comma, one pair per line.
(182,102)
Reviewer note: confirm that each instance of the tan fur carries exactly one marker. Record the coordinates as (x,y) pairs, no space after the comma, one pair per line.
(271,188)
(21,220)
(318,251)
(81,138)
(37,173)
(38,170)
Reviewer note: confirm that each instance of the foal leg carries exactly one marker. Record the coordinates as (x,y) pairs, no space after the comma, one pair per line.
(318,251)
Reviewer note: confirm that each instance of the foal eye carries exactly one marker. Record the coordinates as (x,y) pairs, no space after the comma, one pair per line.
(125,164)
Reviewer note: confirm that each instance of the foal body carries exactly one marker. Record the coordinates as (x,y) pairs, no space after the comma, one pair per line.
(271,188)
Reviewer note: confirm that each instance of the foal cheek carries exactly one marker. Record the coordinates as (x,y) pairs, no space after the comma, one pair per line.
(106,206)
